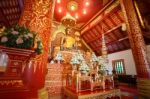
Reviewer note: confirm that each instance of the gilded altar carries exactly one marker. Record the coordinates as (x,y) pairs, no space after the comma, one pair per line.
(88,80)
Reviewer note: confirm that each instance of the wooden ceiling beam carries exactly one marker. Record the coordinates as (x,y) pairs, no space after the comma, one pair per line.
(110,48)
(146,35)
(89,25)
(99,29)
(98,14)
(119,45)
(4,19)
(116,41)
(122,38)
(20,3)
(115,46)
(92,34)
(127,43)
(96,32)
(121,18)
(109,31)
(114,23)
(107,39)
(104,22)
(115,35)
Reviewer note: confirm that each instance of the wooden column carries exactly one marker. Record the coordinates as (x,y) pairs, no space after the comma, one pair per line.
(37,16)
(138,48)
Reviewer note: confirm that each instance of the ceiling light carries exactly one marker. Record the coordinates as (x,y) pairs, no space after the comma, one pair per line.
(87,3)
(58,1)
(84,11)
(59,10)
(76,16)
(72,8)
(72,5)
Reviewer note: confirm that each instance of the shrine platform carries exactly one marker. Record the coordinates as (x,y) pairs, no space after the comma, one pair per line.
(97,94)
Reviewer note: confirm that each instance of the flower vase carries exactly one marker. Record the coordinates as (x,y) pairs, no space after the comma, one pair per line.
(83,72)
(59,61)
(74,67)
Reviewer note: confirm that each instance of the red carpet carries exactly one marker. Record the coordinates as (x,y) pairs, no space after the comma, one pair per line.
(127,97)
(128,92)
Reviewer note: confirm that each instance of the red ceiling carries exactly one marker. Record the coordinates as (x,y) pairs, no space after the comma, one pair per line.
(93,7)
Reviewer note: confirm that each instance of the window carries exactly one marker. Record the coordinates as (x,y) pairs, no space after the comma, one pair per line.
(118,66)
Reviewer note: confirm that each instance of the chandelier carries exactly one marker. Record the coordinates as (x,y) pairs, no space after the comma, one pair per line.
(68,21)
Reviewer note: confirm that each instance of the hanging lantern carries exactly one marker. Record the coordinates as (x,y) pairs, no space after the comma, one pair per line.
(123,27)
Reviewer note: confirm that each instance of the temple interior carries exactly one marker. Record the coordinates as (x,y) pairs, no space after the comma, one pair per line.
(74,49)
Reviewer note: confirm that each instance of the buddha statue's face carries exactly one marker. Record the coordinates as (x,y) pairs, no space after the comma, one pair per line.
(68,31)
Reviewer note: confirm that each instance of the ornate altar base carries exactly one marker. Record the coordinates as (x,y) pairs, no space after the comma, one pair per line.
(55,79)
(101,94)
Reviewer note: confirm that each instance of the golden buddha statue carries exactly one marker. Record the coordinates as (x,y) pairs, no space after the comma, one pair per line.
(68,42)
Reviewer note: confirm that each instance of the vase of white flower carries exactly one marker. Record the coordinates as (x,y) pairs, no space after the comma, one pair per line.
(59,57)
(20,37)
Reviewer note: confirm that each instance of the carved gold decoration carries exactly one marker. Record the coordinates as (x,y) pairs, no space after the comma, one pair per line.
(54,78)
(139,14)
(40,8)
(37,16)
(136,39)
(11,83)
(113,6)
(137,45)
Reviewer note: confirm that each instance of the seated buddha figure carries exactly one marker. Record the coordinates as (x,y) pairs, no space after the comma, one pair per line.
(68,41)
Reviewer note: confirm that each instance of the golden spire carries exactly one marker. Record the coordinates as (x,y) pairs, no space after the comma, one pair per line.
(104,48)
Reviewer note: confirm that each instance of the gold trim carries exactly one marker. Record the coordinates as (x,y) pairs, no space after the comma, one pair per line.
(139,14)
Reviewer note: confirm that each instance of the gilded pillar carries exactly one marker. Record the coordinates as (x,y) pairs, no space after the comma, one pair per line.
(37,16)
(138,48)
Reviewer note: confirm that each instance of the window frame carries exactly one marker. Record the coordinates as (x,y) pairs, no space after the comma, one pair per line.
(118,60)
